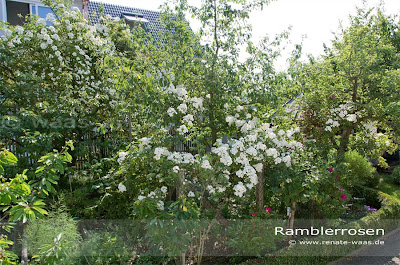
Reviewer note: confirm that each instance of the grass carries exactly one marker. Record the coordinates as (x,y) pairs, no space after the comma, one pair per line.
(387,186)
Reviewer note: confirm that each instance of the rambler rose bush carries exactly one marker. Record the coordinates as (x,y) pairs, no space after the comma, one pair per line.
(57,79)
(240,159)
(225,174)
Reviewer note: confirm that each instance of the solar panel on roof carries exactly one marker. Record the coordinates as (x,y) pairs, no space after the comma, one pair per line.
(153,26)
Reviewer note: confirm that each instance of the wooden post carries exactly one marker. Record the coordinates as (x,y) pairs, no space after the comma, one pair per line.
(260,191)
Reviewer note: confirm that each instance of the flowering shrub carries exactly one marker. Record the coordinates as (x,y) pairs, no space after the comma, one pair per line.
(230,170)
(350,95)
(224,175)
(55,77)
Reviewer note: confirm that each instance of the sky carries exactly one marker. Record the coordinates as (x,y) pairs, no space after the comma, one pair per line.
(314,19)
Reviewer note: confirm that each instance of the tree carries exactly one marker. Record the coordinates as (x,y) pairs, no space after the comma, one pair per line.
(349,92)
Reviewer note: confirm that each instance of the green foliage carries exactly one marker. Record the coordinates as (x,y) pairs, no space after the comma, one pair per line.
(109,246)
(371,196)
(396,175)
(55,237)
(350,90)
(6,159)
(52,252)
(108,88)
(23,201)
(6,256)
(53,165)
(254,237)
(360,171)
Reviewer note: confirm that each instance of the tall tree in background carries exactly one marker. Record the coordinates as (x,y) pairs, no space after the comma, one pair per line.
(352,91)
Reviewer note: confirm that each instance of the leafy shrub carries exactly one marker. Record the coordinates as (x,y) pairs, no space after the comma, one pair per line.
(54,237)
(396,175)
(371,196)
(254,237)
(360,171)
(104,248)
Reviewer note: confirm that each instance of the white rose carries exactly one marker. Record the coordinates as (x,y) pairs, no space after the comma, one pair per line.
(121,187)
(182,108)
(258,167)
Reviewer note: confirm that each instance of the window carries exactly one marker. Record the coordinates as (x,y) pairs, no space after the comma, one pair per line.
(14,10)
(133,19)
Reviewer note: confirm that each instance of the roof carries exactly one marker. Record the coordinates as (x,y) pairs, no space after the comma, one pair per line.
(153,26)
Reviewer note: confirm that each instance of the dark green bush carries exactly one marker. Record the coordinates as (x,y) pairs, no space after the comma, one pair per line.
(396,175)
(360,171)
(371,196)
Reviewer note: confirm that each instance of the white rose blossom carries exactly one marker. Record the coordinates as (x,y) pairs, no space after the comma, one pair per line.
(176,169)
(160,205)
(183,130)
(122,156)
(206,164)
(171,112)
(182,108)
(352,118)
(239,189)
(258,167)
(121,187)
(189,118)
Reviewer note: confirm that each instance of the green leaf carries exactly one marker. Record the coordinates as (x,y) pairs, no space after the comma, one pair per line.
(16,213)
(40,210)
(30,214)
(70,144)
(7,158)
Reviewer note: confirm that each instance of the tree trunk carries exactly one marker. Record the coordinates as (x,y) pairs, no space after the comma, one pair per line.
(291,217)
(344,142)
(179,185)
(24,250)
(183,258)
(260,191)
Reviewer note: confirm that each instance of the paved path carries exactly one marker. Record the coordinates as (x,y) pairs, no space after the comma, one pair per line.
(387,254)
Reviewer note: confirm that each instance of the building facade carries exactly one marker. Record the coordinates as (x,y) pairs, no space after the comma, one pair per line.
(11,9)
